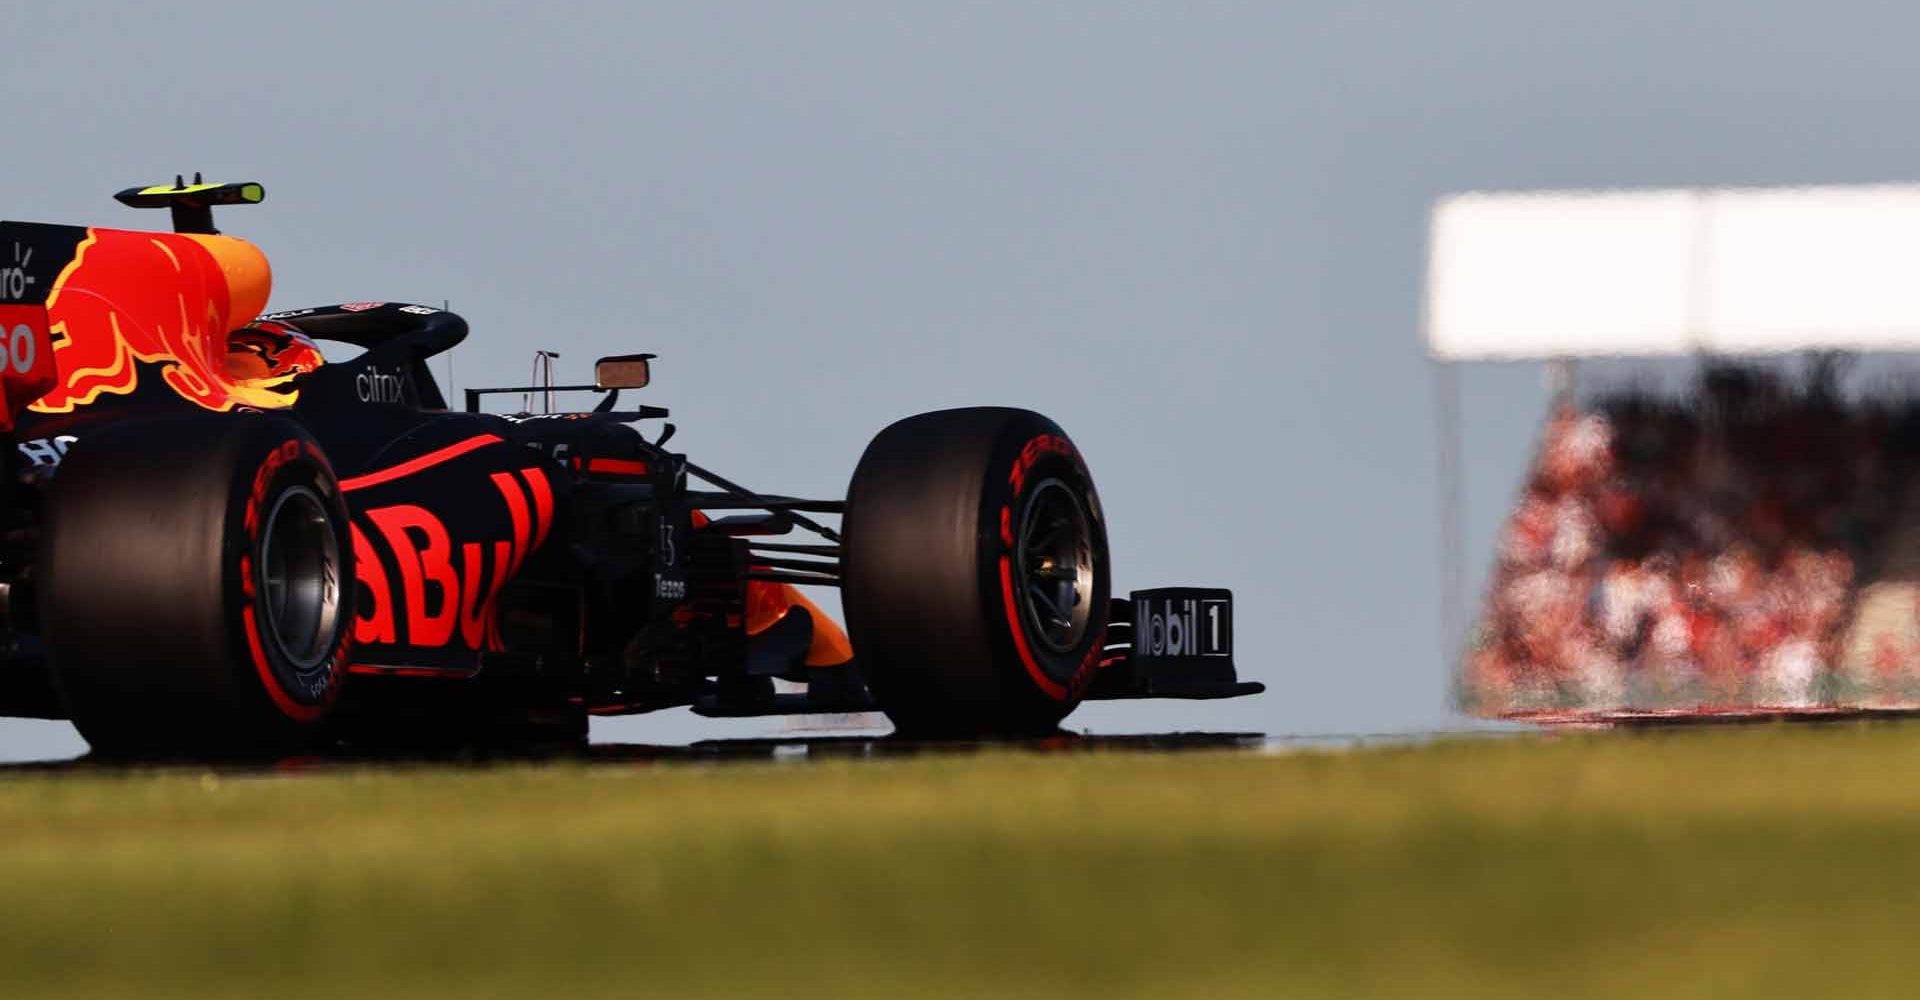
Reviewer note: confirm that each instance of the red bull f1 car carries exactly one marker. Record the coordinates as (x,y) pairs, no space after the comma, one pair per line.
(233,531)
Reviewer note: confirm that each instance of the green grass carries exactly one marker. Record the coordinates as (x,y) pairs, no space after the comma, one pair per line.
(1765,861)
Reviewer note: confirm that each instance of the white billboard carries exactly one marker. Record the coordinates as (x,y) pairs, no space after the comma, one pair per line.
(1564,274)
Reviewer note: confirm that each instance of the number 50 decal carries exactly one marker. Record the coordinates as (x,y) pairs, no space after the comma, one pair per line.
(26,370)
(22,346)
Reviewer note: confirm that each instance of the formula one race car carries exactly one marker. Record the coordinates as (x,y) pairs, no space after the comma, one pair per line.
(219,541)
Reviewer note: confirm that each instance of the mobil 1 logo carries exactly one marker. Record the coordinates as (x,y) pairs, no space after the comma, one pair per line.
(1192,624)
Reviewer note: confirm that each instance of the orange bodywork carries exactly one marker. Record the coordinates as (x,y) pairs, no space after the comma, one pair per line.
(130,300)
(767,602)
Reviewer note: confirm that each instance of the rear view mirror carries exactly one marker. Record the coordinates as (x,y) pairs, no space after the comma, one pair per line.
(622,371)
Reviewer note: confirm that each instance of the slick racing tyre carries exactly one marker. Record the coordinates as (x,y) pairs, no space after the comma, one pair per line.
(974,572)
(190,586)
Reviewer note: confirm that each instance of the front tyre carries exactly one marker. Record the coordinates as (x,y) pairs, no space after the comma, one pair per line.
(191,583)
(974,572)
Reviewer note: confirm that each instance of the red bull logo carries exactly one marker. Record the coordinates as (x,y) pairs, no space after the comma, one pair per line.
(445,590)
(161,302)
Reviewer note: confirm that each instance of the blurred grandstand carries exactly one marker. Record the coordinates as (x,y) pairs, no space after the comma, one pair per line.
(1744,542)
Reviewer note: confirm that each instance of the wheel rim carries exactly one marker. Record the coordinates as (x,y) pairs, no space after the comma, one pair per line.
(1054,560)
(299,577)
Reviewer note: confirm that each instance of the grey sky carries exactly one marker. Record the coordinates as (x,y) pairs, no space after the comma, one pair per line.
(1192,233)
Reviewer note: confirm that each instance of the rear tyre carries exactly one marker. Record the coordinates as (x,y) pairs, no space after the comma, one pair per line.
(974,572)
(190,586)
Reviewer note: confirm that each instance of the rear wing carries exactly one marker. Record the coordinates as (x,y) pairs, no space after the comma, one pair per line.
(192,204)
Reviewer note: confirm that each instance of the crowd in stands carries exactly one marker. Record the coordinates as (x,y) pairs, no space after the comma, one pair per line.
(1674,554)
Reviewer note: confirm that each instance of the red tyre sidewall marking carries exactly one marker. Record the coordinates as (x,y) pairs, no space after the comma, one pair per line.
(292,449)
(1046,684)
(292,709)
(1030,454)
